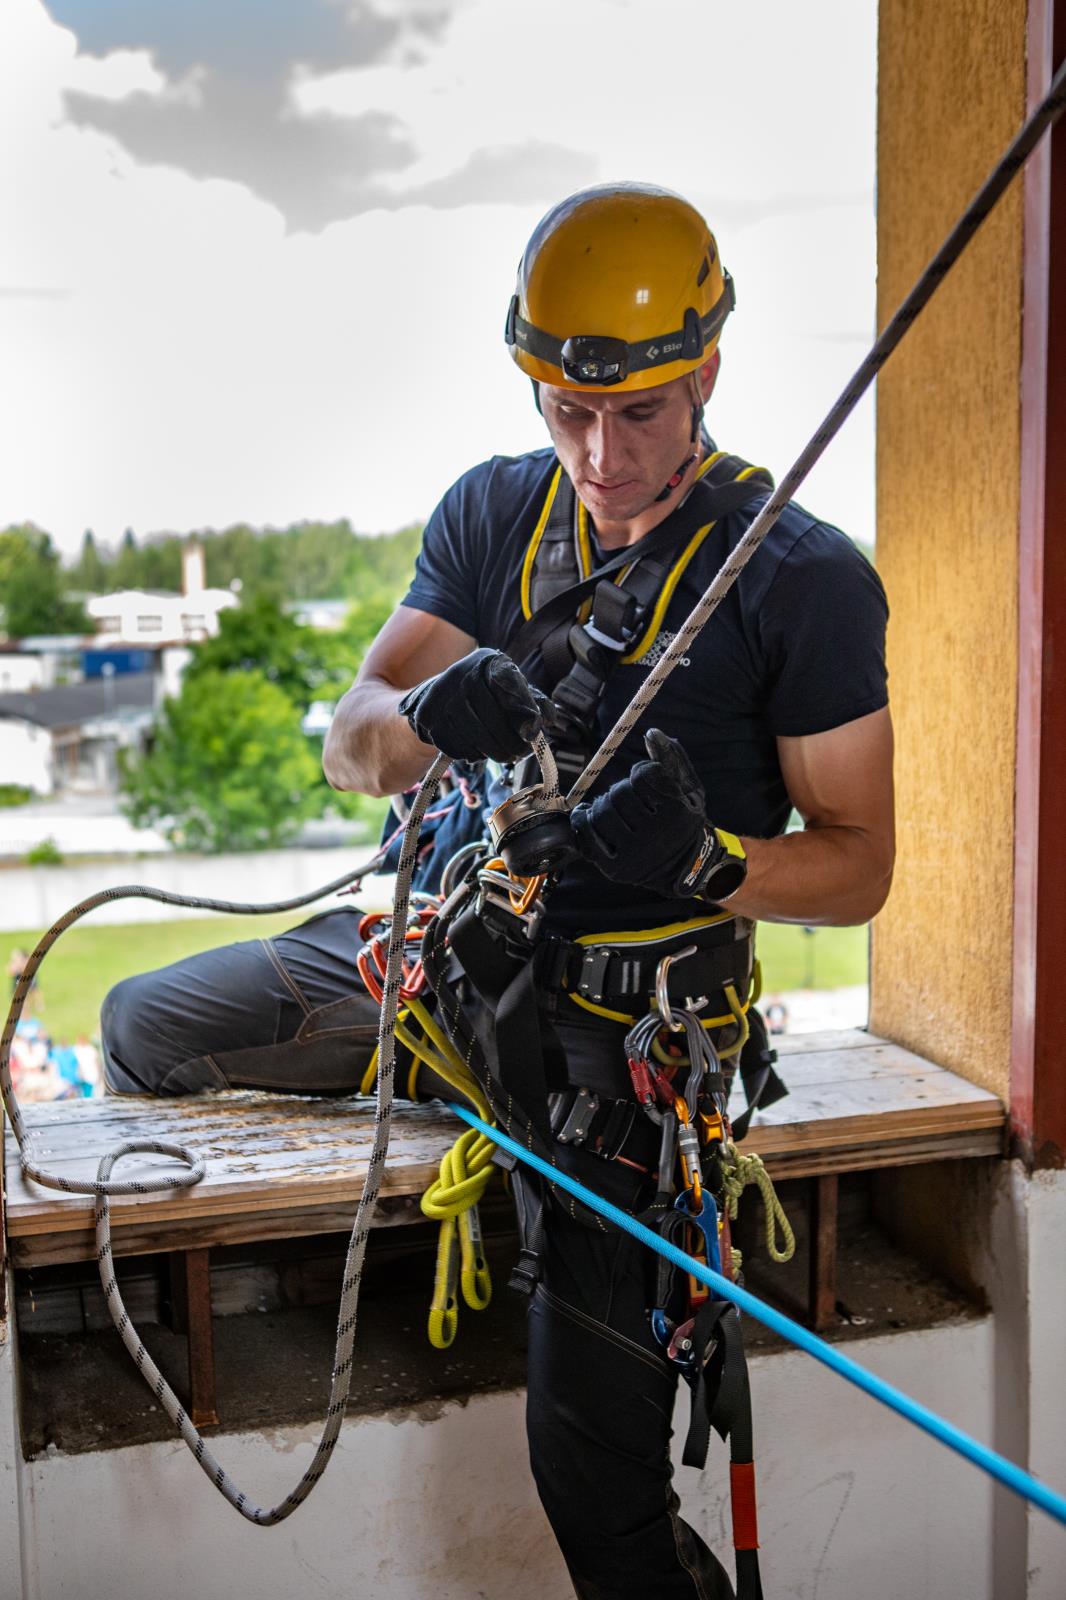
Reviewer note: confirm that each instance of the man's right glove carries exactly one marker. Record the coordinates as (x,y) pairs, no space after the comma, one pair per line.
(479,706)
(651,829)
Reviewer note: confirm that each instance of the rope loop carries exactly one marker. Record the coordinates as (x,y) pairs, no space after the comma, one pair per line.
(741,1168)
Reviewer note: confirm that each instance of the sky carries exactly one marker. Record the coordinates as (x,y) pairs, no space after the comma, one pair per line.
(255,255)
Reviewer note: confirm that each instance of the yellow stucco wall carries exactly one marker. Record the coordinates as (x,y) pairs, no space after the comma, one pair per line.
(951,94)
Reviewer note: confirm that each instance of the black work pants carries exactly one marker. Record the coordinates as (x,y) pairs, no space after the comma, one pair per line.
(290,1013)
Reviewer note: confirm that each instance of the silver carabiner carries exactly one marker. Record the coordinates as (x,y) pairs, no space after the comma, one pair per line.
(662,999)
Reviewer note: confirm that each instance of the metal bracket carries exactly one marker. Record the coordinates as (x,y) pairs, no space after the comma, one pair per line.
(578,1120)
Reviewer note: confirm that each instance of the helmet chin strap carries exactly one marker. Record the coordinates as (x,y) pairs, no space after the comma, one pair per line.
(696,418)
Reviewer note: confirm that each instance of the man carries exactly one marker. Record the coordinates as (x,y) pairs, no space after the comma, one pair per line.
(779,703)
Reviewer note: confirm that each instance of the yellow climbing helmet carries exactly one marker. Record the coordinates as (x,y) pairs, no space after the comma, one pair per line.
(620,287)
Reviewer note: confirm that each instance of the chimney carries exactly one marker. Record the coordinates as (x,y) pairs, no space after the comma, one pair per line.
(193,577)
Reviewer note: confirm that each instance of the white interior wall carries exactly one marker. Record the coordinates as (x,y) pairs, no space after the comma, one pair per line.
(1038,1206)
(438,1505)
(12,1470)
(437,1502)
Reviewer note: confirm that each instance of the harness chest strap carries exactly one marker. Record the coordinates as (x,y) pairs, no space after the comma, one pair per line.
(581,623)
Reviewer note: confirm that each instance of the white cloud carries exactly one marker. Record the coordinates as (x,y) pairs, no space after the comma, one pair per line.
(712,93)
(115,76)
(203,366)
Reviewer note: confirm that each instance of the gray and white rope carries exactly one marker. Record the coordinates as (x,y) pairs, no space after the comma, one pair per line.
(353,1266)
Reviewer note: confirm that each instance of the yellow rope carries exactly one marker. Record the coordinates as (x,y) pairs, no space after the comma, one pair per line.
(740,1017)
(738,1170)
(452,1198)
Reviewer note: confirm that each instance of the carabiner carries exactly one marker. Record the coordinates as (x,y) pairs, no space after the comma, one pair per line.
(662,999)
(688,1148)
(705,1218)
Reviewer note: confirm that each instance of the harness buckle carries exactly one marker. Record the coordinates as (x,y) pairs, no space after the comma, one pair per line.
(600,637)
(571,1113)
(594,964)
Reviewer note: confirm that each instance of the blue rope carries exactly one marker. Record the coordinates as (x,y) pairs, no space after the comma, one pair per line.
(989,1461)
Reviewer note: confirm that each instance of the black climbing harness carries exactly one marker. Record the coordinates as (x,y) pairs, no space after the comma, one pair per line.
(581,621)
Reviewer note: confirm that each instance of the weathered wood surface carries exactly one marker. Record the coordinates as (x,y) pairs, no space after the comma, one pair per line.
(281,1165)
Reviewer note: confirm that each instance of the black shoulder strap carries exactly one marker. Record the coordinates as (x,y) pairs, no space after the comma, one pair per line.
(555,561)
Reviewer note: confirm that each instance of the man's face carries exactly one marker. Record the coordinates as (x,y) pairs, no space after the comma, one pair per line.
(619,450)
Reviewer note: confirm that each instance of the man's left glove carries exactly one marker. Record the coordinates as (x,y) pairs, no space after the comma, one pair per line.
(651,829)
(479,706)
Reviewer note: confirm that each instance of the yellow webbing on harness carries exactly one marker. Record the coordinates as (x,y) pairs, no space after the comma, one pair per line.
(452,1198)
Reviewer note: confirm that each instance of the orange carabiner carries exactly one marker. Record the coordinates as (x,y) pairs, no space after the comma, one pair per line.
(520,904)
(689,1170)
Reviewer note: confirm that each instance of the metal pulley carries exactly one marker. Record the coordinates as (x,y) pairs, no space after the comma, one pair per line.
(532,832)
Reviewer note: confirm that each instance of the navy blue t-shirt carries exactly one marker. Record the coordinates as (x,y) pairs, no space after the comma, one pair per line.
(797,647)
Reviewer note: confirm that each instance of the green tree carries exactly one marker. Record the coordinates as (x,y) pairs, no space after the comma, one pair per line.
(258,636)
(89,573)
(306,664)
(364,622)
(229,768)
(126,567)
(159,562)
(33,588)
(257,558)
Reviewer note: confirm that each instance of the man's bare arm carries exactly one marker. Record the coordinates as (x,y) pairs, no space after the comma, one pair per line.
(838,871)
(369,747)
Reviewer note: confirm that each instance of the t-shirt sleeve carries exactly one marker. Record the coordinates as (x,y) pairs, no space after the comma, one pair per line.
(822,625)
(446,576)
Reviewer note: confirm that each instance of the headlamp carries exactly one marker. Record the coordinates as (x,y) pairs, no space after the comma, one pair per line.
(595,358)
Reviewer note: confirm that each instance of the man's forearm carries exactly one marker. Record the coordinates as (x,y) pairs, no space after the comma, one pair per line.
(820,877)
(369,748)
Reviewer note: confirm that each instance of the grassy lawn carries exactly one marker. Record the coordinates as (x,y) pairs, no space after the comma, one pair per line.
(81,968)
(88,960)
(827,958)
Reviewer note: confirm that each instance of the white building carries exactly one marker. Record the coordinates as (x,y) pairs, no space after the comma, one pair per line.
(20,671)
(68,738)
(141,616)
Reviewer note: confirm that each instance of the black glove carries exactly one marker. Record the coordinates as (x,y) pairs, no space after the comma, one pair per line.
(651,829)
(479,706)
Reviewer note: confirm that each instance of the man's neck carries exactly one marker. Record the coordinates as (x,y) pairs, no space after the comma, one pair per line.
(617,535)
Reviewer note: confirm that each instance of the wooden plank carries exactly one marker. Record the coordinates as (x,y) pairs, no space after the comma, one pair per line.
(203,1403)
(181,1232)
(867,1158)
(282,1166)
(175,1232)
(45,1213)
(283,1181)
(822,1253)
(805,1044)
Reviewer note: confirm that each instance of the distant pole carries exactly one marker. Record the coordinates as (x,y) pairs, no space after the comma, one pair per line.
(107,746)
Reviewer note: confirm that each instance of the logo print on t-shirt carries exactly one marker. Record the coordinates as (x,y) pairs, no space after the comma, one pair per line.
(658,648)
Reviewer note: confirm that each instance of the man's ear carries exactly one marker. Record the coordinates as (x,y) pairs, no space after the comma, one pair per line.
(709,375)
